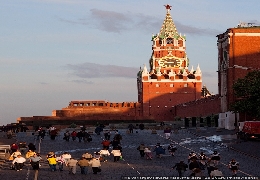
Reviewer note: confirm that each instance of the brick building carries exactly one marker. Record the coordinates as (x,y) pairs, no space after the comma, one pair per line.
(167,83)
(238,53)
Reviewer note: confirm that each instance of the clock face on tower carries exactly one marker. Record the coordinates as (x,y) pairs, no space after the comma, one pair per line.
(169,41)
(172,62)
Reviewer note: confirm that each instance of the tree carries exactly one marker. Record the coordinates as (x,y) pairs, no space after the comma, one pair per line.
(247,93)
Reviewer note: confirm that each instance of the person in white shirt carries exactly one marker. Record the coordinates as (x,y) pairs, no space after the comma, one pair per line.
(18,162)
(103,154)
(116,152)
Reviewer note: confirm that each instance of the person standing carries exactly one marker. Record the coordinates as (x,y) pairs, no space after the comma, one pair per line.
(13,147)
(72,164)
(181,167)
(35,161)
(23,147)
(167,133)
(233,166)
(83,163)
(131,128)
(95,164)
(105,144)
(18,162)
(73,135)
(140,148)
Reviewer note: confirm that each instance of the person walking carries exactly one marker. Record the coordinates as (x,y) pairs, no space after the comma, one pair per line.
(95,164)
(104,153)
(140,148)
(116,152)
(159,150)
(233,166)
(66,157)
(35,161)
(18,162)
(215,157)
(72,164)
(73,135)
(52,162)
(172,148)
(61,162)
(181,167)
(148,153)
(105,144)
(83,164)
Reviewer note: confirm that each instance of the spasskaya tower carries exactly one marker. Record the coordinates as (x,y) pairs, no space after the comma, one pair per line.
(168,81)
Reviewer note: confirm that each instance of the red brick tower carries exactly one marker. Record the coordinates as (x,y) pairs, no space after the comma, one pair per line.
(238,53)
(168,82)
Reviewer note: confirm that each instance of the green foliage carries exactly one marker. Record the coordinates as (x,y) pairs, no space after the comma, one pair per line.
(247,94)
(73,125)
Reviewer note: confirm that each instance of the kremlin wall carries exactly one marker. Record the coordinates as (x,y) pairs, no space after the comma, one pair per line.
(169,89)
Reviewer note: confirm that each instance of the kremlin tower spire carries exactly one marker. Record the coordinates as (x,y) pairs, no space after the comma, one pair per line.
(168,82)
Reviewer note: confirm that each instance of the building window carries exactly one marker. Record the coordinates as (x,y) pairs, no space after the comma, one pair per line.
(171,85)
(157,85)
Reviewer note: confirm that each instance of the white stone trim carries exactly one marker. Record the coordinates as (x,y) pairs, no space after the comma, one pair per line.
(244,34)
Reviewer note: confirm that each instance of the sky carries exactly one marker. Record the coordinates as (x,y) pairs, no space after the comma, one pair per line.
(56,51)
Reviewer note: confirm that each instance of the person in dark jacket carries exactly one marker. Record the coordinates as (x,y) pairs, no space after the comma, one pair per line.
(181,167)
(159,150)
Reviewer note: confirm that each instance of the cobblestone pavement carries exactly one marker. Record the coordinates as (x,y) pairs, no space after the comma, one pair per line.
(206,140)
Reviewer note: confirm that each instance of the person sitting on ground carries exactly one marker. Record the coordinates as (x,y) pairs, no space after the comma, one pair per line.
(18,162)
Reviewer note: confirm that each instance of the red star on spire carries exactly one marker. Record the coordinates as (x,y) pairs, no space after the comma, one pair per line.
(168,6)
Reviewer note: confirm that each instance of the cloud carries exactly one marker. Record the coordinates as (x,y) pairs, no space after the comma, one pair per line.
(115,22)
(196,31)
(93,70)
(82,81)
(111,21)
